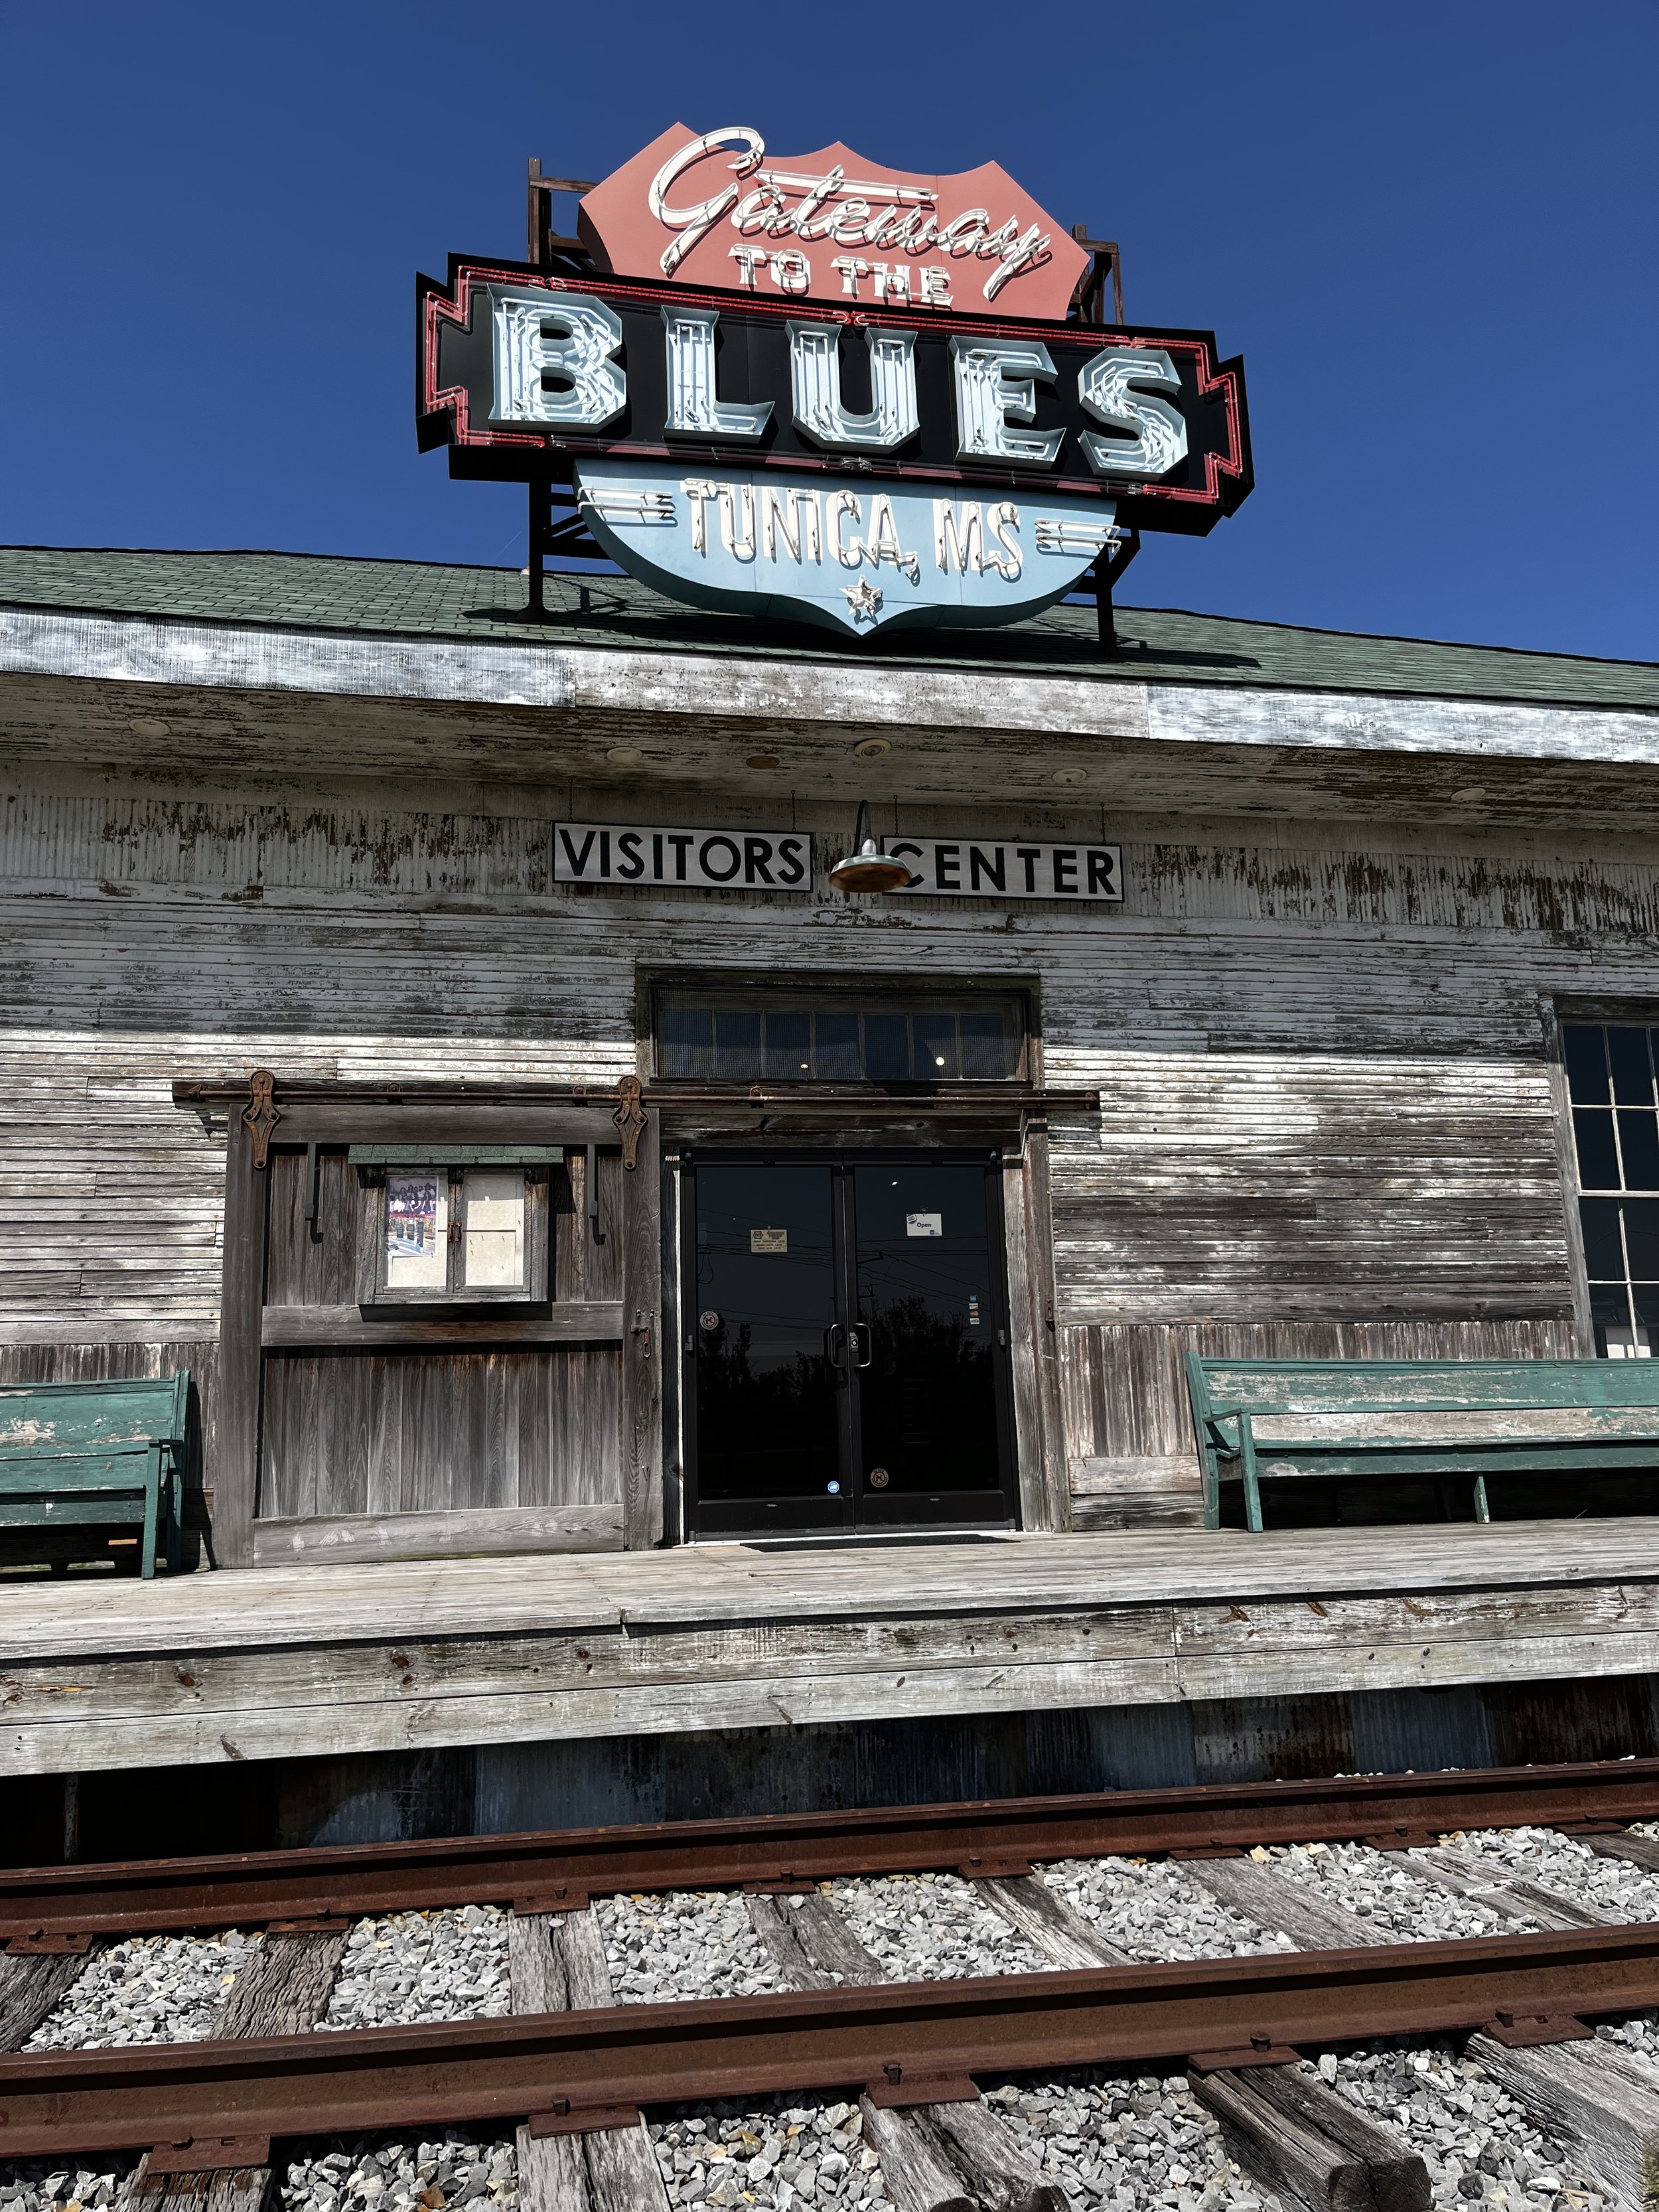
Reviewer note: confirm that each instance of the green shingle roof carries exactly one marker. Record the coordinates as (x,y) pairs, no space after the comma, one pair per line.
(300,591)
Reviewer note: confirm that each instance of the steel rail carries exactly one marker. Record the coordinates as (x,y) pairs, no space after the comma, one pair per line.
(911,2042)
(563,1869)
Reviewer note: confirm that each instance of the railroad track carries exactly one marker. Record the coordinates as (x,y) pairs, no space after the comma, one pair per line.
(556,1872)
(903,2061)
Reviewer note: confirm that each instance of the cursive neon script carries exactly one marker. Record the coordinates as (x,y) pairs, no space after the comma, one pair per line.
(847,212)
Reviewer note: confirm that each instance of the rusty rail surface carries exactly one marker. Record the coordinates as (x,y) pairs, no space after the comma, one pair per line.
(914,2043)
(563,1869)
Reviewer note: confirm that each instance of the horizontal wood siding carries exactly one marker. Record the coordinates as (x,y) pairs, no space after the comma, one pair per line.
(1326,1119)
(1305,1183)
(1125,1383)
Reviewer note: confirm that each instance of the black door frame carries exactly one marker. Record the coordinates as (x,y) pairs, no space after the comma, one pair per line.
(856,1518)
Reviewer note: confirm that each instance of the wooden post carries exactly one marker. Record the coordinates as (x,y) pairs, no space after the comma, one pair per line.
(233,1475)
(642,1339)
(1024,1322)
(1045,1489)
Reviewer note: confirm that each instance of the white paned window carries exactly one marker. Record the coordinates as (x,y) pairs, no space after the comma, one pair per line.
(1615,1127)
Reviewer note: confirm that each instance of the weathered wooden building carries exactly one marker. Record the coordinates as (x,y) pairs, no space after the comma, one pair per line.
(700,1225)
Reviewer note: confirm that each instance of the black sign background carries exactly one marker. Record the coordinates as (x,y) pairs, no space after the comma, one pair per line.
(455,393)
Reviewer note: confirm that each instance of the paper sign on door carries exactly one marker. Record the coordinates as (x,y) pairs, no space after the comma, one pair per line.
(769,1240)
(924,1225)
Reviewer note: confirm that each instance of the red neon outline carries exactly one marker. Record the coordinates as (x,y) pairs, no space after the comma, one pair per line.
(459,311)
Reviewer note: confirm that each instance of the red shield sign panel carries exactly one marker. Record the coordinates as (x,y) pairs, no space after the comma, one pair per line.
(716,209)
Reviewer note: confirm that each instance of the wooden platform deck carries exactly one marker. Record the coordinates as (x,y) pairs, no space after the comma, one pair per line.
(319,1660)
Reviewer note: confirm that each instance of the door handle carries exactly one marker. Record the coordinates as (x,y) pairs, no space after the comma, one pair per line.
(834,1336)
(862,1328)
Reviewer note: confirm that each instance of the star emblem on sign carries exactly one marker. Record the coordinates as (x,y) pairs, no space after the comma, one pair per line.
(864,599)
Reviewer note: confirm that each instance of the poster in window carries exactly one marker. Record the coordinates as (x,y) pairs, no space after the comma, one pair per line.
(495,1231)
(416,1231)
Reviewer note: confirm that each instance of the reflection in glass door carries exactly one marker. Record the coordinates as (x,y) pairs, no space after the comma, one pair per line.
(930,1340)
(762,1324)
(845,1343)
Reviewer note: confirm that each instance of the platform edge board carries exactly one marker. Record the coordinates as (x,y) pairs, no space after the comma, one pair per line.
(586,1661)
(1206,1658)
(785,1701)
(712,1586)
(400,1721)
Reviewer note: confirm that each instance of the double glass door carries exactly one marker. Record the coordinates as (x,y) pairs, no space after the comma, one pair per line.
(845,1342)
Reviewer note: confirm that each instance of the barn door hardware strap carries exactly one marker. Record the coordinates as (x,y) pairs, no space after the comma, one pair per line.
(261,1114)
(629,1118)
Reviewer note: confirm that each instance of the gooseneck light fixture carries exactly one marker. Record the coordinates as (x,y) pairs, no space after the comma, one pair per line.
(868,868)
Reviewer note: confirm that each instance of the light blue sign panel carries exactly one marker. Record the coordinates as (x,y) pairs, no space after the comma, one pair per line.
(855,554)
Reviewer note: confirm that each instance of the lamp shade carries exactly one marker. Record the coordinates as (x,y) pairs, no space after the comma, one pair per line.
(867,868)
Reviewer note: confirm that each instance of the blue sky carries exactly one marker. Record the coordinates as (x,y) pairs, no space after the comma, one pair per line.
(1428,228)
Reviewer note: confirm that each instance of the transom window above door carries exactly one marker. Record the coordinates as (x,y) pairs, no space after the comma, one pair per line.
(780,1037)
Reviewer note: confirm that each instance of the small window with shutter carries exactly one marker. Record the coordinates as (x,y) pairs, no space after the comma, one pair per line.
(466,1228)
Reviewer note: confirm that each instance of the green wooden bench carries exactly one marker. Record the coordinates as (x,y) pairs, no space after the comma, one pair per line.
(1441,1420)
(96,1454)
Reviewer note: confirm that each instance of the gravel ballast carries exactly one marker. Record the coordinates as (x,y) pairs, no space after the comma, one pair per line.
(1478,2144)
(1150,1910)
(381,2174)
(41,2184)
(683,1943)
(1120,2144)
(410,1967)
(771,2154)
(931,1928)
(1378,1887)
(1563,1864)
(149,1989)
(1637,2037)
